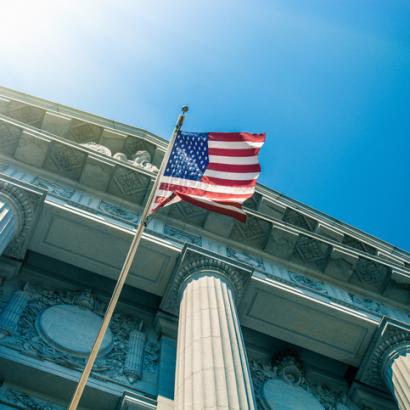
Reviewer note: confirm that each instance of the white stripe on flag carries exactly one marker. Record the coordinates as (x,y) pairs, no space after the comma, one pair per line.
(234,144)
(217,159)
(237,176)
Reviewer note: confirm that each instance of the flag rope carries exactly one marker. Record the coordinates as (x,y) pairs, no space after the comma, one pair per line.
(124,271)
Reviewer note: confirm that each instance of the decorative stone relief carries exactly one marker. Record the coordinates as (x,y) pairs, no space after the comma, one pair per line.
(52,314)
(193,262)
(302,221)
(82,132)
(141,159)
(11,312)
(101,149)
(118,211)
(306,282)
(27,205)
(65,160)
(281,243)
(286,375)
(368,304)
(253,232)
(182,236)
(129,184)
(312,252)
(9,138)
(189,213)
(390,334)
(371,274)
(25,113)
(24,400)
(54,188)
(245,257)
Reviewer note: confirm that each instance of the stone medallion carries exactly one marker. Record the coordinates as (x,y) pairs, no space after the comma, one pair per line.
(72,329)
(280,395)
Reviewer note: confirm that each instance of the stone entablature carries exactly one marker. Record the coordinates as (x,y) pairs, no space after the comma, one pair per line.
(162,226)
(88,129)
(342,264)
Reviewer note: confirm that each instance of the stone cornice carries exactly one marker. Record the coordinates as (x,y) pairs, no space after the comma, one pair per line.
(391,335)
(195,260)
(264,200)
(28,201)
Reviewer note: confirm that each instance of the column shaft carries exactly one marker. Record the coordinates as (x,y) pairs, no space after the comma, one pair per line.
(397,374)
(212,368)
(8,223)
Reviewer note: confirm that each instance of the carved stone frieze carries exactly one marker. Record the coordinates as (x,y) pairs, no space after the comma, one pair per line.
(182,235)
(189,213)
(281,243)
(36,336)
(101,149)
(286,373)
(390,335)
(24,400)
(194,262)
(245,257)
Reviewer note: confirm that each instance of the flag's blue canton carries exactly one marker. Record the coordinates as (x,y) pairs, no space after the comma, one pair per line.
(189,156)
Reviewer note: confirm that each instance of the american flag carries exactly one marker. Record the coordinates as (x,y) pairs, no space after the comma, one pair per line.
(214,170)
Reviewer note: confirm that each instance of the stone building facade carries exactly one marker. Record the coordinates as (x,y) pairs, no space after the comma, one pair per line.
(292,310)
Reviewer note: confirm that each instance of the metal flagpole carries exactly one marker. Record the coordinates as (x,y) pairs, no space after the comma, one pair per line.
(124,271)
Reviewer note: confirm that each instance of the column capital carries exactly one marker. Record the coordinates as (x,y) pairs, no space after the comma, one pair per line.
(390,341)
(26,201)
(195,262)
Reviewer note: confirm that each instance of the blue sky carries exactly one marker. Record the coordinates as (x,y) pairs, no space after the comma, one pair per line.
(328,80)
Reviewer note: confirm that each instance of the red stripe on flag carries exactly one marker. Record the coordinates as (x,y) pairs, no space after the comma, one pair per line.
(240,216)
(229,182)
(249,152)
(202,192)
(236,136)
(234,168)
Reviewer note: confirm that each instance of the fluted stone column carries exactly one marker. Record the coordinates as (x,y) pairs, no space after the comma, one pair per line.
(397,374)
(9,220)
(212,368)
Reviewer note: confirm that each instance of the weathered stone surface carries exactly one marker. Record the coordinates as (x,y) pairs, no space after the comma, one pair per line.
(28,114)
(371,275)
(112,140)
(9,138)
(128,184)
(56,123)
(65,160)
(96,173)
(254,232)
(31,150)
(219,224)
(272,209)
(311,252)
(281,242)
(72,329)
(340,264)
(81,132)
